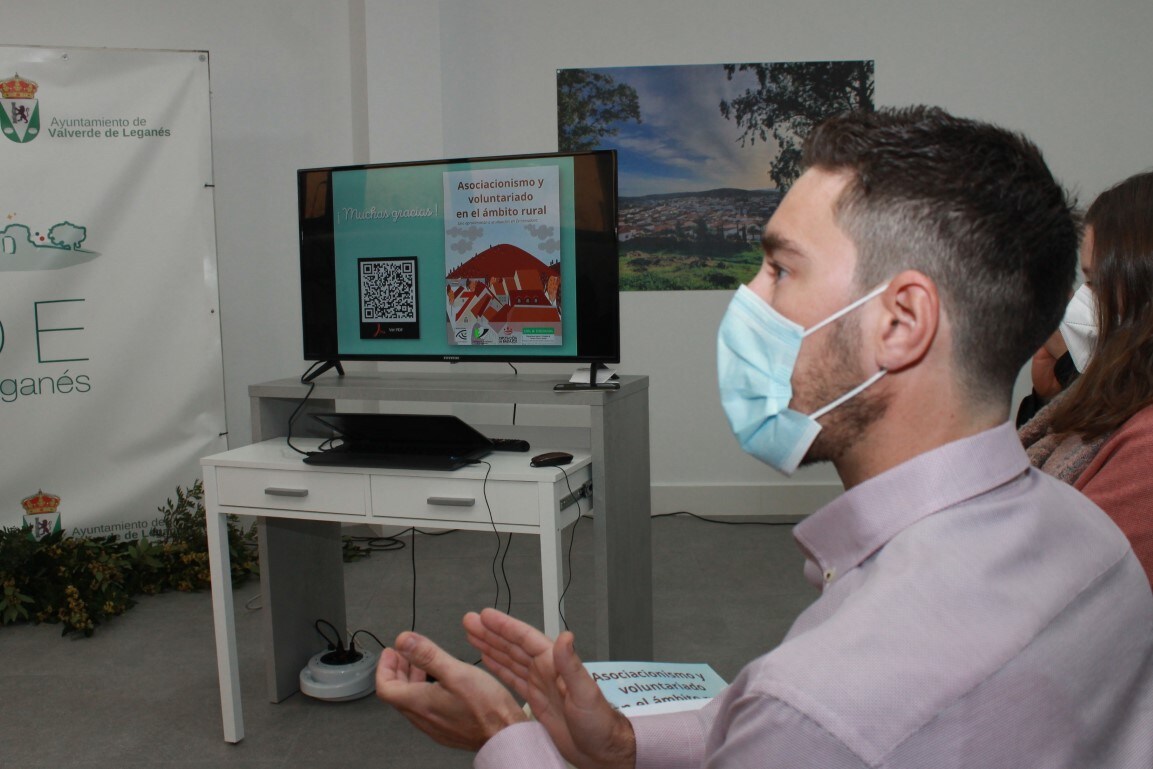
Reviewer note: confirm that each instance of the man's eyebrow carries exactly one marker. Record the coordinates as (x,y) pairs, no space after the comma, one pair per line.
(772,243)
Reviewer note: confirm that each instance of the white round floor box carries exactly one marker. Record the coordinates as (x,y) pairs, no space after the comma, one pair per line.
(329,677)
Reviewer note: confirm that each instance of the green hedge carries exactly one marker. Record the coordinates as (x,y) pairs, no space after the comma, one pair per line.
(82,581)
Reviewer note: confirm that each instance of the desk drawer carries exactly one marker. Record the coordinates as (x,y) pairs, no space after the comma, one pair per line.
(342,493)
(455,499)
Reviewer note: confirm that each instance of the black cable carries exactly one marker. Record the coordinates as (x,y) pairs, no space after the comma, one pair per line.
(352,638)
(726,523)
(498,556)
(413,531)
(394,543)
(304,379)
(437,533)
(507,584)
(412,559)
(387,544)
(378,544)
(514,373)
(568,556)
(338,644)
(412,556)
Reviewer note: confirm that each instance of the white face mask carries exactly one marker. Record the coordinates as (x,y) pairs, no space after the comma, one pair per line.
(1079,326)
(757,349)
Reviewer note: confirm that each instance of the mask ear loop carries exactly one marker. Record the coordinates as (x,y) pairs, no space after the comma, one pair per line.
(868,382)
(847,309)
(850,394)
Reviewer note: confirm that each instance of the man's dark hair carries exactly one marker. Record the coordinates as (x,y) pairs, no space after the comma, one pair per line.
(972,206)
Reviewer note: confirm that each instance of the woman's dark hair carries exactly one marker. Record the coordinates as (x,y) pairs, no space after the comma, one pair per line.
(1118,381)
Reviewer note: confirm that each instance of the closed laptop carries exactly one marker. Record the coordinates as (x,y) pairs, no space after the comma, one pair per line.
(406,441)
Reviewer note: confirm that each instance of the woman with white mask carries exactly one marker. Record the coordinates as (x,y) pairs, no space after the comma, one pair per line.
(1098,433)
(1065,354)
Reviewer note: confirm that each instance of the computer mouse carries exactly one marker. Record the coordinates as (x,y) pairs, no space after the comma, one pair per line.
(551,459)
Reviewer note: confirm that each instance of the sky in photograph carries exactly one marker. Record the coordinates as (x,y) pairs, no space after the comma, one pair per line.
(684,144)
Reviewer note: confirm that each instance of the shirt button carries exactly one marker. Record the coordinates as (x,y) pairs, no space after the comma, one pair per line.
(830,575)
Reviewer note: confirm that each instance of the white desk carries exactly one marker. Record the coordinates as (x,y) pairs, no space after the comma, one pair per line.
(270,480)
(617,437)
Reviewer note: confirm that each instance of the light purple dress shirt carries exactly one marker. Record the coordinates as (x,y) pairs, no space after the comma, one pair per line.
(974,612)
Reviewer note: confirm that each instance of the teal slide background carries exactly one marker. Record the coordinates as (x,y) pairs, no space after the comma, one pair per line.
(404,188)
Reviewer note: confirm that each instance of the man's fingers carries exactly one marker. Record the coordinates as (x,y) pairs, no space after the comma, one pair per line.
(423,655)
(517,683)
(496,646)
(503,630)
(515,642)
(515,660)
(520,656)
(387,668)
(394,677)
(574,680)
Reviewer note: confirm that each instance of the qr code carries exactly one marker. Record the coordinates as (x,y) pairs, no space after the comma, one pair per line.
(388,290)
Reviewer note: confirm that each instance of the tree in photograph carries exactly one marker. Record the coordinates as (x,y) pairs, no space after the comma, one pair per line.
(791,98)
(588,104)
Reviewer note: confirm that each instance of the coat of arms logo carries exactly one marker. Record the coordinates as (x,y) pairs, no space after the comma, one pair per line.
(20,116)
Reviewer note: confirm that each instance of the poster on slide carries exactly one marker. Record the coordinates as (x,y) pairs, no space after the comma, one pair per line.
(111,381)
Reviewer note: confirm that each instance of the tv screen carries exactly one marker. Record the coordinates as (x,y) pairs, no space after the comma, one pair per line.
(508,258)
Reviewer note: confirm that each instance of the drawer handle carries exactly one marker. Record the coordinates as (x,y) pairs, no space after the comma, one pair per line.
(277,491)
(452,501)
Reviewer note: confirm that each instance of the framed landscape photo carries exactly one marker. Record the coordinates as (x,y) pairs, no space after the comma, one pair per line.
(705,154)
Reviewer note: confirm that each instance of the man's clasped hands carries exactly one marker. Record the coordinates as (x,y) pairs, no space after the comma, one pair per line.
(461,706)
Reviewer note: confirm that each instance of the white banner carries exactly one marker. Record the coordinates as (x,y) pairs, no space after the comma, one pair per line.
(111,381)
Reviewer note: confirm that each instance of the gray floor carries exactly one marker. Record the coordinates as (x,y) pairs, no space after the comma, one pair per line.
(142,691)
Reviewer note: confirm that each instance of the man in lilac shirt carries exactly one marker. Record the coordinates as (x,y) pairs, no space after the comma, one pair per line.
(973,612)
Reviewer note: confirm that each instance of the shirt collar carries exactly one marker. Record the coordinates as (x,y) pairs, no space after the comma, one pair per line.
(844,533)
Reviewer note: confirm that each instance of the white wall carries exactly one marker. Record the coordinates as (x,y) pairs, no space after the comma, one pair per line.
(295,84)
(280,101)
(1074,76)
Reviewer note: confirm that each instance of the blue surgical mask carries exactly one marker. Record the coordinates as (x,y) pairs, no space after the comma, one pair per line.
(757,348)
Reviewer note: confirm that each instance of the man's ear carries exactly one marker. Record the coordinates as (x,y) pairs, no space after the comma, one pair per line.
(909,322)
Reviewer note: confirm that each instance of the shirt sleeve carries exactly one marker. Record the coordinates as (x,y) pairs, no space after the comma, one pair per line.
(739,731)
(672,740)
(762,732)
(520,746)
(743,728)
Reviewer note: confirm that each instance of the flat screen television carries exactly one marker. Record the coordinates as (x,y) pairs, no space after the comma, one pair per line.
(510,258)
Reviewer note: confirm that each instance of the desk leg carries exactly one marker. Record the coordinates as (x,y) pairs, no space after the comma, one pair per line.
(302,580)
(622,528)
(551,560)
(220,568)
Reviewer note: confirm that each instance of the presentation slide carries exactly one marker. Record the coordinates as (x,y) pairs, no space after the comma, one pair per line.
(453,258)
